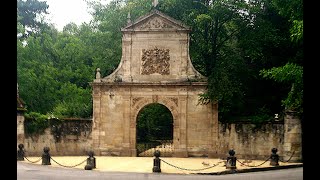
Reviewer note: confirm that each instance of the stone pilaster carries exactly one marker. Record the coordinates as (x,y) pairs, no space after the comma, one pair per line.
(292,146)
(180,150)
(20,128)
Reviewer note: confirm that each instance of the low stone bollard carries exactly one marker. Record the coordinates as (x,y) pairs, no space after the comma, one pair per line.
(156,162)
(274,158)
(231,160)
(20,153)
(91,161)
(46,156)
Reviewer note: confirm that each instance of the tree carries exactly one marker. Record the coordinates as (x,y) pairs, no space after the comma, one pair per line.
(231,41)
(154,122)
(53,71)
(239,45)
(292,72)
(30,14)
(215,49)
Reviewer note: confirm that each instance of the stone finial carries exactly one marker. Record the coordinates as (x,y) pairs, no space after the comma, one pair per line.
(129,18)
(20,155)
(231,160)
(155,3)
(91,161)
(46,156)
(274,158)
(98,75)
(156,162)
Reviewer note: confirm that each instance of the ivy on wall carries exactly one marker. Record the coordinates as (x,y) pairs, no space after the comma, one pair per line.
(35,123)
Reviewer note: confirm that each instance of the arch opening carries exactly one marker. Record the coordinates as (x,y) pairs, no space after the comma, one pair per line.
(154,130)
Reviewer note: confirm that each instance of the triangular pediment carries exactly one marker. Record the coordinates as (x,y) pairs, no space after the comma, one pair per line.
(156,21)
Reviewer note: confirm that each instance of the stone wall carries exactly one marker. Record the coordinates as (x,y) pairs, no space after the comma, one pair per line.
(292,137)
(250,141)
(71,137)
(20,128)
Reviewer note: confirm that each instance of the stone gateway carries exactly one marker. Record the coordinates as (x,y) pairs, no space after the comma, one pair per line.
(155,67)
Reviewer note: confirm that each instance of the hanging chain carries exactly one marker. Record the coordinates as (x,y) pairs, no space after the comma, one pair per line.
(33,161)
(289,158)
(69,166)
(256,165)
(190,169)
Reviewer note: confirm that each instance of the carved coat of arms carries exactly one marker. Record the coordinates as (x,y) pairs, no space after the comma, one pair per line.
(155,61)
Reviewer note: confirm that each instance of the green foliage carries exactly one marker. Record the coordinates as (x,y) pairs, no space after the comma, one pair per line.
(287,73)
(262,115)
(289,8)
(297,30)
(234,43)
(215,50)
(204,99)
(154,122)
(293,75)
(77,102)
(35,123)
(30,15)
(53,72)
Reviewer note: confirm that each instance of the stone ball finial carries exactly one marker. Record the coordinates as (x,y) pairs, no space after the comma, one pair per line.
(20,146)
(90,153)
(274,150)
(98,75)
(46,149)
(156,153)
(231,152)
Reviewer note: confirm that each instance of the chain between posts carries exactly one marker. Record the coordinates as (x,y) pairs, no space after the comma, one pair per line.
(256,165)
(190,169)
(69,166)
(289,158)
(267,160)
(33,161)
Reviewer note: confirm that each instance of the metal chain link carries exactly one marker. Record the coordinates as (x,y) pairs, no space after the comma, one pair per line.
(289,158)
(190,169)
(69,166)
(33,161)
(256,165)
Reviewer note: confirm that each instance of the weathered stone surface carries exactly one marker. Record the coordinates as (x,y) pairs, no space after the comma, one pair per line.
(155,68)
(20,129)
(250,141)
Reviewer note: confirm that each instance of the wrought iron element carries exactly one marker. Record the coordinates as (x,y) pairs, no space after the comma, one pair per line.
(46,156)
(91,161)
(191,169)
(20,153)
(147,149)
(69,166)
(289,158)
(253,166)
(231,160)
(34,161)
(156,162)
(274,158)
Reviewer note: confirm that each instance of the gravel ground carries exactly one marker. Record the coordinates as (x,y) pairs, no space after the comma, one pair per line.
(145,164)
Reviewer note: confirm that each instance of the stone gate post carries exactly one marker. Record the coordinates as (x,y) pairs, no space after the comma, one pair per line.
(292,146)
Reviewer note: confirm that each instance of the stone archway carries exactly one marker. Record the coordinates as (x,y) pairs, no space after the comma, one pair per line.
(141,102)
(155,68)
(154,130)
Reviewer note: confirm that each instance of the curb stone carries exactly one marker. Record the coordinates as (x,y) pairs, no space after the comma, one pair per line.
(252,170)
